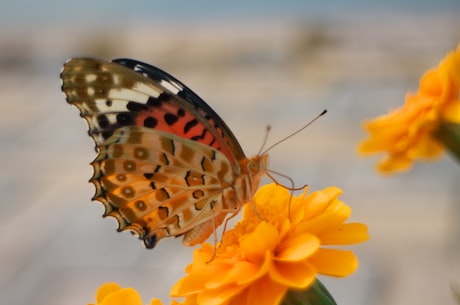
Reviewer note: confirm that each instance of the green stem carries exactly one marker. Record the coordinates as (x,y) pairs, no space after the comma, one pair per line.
(315,295)
(449,135)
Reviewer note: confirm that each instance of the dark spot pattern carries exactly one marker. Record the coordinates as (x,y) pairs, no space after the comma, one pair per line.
(198,194)
(128,191)
(125,118)
(193,178)
(162,194)
(170,118)
(141,153)
(190,124)
(133,106)
(117,151)
(129,166)
(103,121)
(199,137)
(106,134)
(205,164)
(150,122)
(164,97)
(180,112)
(164,159)
(140,205)
(154,102)
(163,212)
(157,101)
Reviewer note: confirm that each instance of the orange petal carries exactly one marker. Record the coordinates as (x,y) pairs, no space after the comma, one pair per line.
(297,247)
(240,273)
(324,221)
(320,201)
(195,281)
(106,289)
(430,83)
(394,163)
(264,238)
(344,234)
(299,274)
(219,296)
(124,296)
(264,292)
(158,302)
(334,262)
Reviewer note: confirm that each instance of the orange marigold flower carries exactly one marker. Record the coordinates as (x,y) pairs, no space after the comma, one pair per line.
(276,246)
(409,133)
(113,294)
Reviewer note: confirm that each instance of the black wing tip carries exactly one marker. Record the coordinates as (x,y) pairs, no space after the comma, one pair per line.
(150,241)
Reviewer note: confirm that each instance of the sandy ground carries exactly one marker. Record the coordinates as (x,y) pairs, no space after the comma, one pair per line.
(56,249)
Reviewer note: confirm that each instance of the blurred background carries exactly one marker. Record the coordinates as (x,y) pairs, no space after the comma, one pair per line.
(256,63)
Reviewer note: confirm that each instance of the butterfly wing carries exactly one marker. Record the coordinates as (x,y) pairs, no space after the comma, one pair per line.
(126,92)
(164,156)
(158,184)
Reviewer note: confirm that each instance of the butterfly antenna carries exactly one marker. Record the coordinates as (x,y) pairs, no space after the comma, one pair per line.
(295,132)
(267,131)
(291,189)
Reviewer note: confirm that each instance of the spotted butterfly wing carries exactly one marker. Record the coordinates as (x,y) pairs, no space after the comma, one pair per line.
(167,164)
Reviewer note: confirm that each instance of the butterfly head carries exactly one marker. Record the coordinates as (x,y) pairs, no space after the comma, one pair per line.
(254,168)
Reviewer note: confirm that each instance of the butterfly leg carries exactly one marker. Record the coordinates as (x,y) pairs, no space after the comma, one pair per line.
(222,236)
(214,252)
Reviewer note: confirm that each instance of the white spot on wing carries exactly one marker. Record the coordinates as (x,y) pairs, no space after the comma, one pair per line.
(111,117)
(89,78)
(148,90)
(171,86)
(128,95)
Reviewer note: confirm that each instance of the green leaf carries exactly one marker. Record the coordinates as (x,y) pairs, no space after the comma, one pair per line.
(314,295)
(449,135)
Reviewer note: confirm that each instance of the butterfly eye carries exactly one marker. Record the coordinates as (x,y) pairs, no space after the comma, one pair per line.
(253,167)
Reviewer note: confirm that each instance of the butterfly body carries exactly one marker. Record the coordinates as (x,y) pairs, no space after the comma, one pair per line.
(167,164)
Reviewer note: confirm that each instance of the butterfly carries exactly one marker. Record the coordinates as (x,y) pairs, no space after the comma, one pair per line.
(167,165)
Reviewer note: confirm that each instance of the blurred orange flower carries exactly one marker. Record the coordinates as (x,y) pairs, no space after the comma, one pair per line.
(276,246)
(113,294)
(408,133)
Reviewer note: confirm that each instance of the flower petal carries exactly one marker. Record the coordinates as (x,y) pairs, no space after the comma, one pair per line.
(106,289)
(324,221)
(344,234)
(240,273)
(195,281)
(124,296)
(158,302)
(297,275)
(264,238)
(334,262)
(265,292)
(409,133)
(297,247)
(264,255)
(219,296)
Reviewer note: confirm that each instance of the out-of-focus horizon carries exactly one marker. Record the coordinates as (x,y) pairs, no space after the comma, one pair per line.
(257,63)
